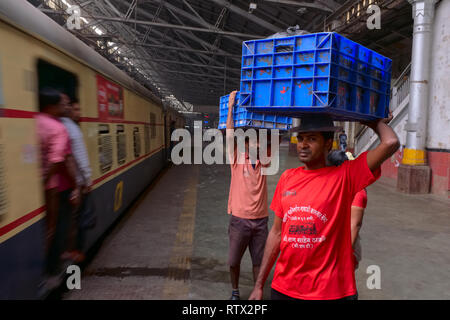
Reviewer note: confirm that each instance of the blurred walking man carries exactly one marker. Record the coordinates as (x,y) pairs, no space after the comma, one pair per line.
(84,172)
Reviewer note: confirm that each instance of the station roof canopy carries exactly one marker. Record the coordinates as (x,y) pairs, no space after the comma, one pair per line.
(189,51)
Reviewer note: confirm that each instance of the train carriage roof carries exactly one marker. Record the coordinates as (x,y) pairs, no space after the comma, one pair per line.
(24,16)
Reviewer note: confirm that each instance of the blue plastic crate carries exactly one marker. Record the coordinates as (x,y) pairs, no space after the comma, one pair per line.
(321,72)
(244,118)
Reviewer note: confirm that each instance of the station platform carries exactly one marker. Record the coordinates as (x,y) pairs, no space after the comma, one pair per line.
(173,243)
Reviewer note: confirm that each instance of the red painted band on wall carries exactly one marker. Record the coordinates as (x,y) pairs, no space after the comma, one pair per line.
(438,161)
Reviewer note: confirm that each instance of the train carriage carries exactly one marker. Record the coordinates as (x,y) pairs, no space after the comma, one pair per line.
(126,140)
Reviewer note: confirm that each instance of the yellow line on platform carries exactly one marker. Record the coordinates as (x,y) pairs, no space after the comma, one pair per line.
(177,284)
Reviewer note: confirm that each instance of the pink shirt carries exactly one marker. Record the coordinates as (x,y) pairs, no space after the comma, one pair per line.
(248,189)
(55,146)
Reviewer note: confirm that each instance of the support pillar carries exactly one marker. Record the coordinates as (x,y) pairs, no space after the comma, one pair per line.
(414,173)
(293,141)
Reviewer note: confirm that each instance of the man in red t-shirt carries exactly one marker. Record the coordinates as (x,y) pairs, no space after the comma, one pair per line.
(311,231)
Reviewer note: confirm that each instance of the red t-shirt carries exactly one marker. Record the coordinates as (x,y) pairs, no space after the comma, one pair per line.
(315,261)
(360,199)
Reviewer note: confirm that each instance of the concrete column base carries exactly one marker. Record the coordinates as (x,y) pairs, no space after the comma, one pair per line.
(414,179)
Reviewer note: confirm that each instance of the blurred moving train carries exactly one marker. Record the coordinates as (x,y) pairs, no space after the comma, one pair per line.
(127,136)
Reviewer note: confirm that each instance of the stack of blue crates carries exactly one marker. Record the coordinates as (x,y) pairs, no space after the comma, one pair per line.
(322,72)
(244,118)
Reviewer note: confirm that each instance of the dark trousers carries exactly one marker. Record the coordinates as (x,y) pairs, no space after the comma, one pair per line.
(58,226)
(81,230)
(276,295)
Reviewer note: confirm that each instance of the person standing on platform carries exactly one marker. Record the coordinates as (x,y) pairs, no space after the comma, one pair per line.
(247,205)
(311,233)
(84,173)
(343,141)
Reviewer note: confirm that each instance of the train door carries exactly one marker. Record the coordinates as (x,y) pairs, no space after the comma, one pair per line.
(57,78)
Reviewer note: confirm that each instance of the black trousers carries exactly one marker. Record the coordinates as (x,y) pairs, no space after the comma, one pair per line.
(276,295)
(59,242)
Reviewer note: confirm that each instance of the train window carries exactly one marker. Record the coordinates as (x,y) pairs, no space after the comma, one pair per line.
(52,76)
(153,125)
(104,148)
(137,142)
(147,138)
(121,144)
(2,185)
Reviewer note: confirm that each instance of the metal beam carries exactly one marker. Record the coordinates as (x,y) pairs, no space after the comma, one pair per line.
(312,24)
(249,16)
(186,63)
(191,36)
(131,9)
(149,29)
(153,73)
(189,81)
(138,44)
(199,74)
(193,10)
(201,22)
(266,11)
(313,5)
(163,25)
(179,34)
(158,24)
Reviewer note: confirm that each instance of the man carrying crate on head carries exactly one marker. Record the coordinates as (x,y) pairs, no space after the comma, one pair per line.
(312,204)
(247,205)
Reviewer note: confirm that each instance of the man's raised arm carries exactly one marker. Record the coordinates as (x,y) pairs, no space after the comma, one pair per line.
(389,143)
(230,121)
(229,134)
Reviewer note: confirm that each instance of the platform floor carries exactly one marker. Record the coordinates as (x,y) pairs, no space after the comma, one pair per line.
(173,243)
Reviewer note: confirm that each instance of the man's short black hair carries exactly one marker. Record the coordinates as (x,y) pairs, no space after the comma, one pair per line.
(47,97)
(74,100)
